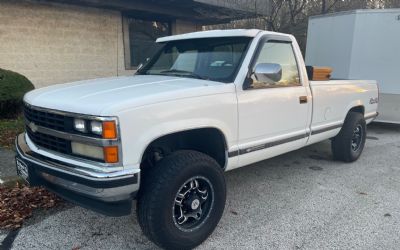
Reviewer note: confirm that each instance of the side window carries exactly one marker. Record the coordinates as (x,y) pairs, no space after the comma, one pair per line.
(278,53)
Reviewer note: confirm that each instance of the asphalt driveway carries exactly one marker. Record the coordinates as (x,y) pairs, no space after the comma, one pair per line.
(301,200)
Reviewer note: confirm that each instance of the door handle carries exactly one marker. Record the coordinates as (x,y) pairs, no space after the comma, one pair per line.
(303,99)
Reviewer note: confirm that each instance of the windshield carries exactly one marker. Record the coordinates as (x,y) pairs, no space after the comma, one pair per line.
(216,59)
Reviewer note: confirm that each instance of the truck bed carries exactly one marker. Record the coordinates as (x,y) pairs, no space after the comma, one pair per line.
(333,99)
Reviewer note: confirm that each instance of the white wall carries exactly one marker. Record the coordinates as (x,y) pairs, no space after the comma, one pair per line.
(376,49)
(329,43)
(57,43)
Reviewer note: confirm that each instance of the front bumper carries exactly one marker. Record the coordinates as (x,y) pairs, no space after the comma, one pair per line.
(107,193)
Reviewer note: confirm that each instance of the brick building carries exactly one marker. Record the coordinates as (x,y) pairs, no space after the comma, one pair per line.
(60,41)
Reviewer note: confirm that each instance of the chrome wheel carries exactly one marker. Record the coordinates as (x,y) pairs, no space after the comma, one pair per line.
(357,138)
(193,203)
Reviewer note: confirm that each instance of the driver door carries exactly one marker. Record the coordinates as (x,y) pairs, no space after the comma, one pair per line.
(273,114)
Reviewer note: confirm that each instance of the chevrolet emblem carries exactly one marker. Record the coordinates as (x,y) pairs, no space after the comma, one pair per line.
(33,127)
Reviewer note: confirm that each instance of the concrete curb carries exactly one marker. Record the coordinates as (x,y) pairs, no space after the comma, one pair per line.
(8,173)
(10,181)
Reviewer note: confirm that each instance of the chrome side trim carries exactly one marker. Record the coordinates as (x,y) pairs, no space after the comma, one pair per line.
(233,153)
(266,145)
(326,129)
(369,116)
(283,141)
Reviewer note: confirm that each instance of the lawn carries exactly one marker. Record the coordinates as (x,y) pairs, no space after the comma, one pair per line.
(9,129)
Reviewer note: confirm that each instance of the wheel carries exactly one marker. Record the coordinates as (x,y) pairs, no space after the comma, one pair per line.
(182,200)
(348,145)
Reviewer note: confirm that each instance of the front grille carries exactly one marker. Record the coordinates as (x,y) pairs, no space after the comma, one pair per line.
(49,142)
(38,118)
(47,119)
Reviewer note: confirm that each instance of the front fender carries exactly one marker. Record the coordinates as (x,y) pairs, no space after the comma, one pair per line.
(142,125)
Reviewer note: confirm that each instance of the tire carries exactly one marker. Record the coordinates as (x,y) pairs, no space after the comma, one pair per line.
(348,145)
(159,214)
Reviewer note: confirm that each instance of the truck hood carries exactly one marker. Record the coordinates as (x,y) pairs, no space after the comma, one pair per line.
(108,96)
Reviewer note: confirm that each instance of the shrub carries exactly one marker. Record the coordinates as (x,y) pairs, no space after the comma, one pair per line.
(13,87)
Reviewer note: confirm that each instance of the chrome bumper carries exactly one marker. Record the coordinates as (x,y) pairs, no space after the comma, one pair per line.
(107,193)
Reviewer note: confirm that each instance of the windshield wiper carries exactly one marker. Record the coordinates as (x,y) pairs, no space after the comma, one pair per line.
(182,73)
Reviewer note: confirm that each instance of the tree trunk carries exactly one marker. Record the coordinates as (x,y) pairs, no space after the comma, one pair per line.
(323,6)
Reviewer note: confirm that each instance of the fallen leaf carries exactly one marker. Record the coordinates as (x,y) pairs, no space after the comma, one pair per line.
(17,204)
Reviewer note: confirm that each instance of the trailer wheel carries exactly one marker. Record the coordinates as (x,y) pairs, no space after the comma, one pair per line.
(348,145)
(182,200)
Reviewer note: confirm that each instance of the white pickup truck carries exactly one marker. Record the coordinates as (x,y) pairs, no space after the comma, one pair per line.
(205,103)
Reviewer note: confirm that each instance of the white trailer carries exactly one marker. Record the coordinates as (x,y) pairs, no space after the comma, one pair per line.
(361,44)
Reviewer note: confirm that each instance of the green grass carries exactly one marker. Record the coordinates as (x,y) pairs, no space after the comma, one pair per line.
(9,129)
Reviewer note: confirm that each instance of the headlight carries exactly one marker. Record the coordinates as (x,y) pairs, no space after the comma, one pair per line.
(96,127)
(80,125)
(106,129)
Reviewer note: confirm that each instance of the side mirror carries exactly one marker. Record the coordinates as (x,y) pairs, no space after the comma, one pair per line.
(267,72)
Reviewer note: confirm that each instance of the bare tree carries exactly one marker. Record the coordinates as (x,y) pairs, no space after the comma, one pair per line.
(291,16)
(327,6)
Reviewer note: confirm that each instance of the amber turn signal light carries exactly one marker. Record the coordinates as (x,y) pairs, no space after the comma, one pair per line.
(109,130)
(111,154)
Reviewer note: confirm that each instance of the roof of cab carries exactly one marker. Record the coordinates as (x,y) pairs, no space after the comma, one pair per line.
(212,33)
